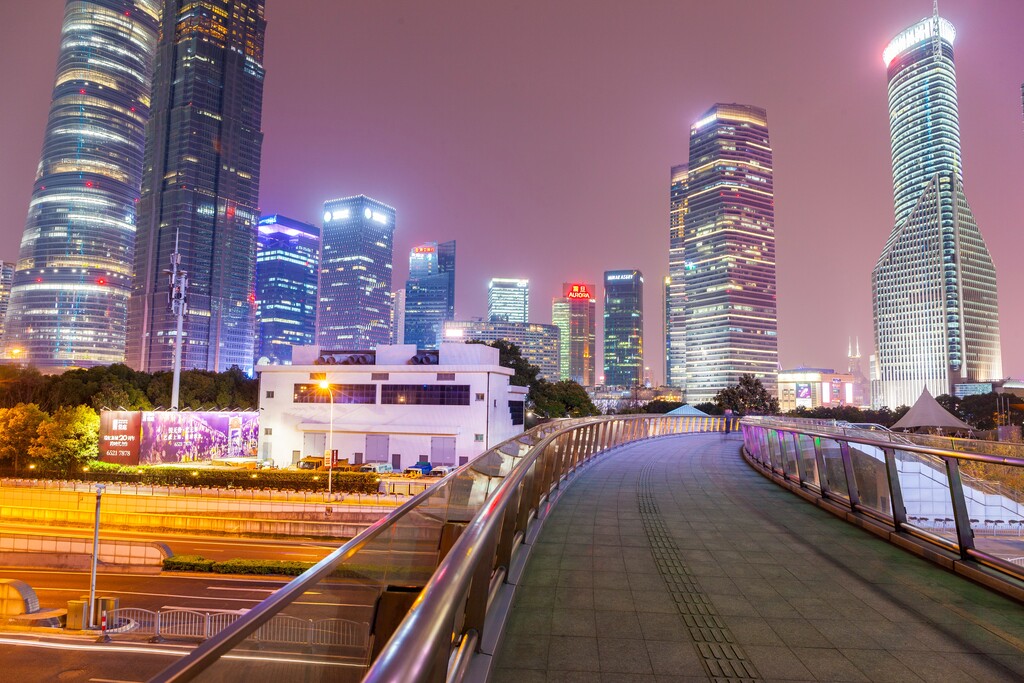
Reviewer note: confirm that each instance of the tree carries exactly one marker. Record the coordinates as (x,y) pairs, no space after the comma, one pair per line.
(511,356)
(562,399)
(68,439)
(661,406)
(749,397)
(18,428)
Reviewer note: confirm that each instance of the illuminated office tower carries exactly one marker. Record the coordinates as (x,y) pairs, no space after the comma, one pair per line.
(575,314)
(539,344)
(508,300)
(675,324)
(200,188)
(729,253)
(398,317)
(666,316)
(6,278)
(934,286)
(354,309)
(429,293)
(623,328)
(287,270)
(69,295)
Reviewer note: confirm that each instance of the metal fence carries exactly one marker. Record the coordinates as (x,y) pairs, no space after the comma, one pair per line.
(460,546)
(906,489)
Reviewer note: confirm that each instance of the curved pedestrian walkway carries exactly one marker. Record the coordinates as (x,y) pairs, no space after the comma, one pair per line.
(672,560)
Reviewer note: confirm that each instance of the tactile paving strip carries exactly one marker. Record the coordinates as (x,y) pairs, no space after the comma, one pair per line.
(723,658)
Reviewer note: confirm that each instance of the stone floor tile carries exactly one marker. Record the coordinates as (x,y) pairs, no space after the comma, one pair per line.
(622,655)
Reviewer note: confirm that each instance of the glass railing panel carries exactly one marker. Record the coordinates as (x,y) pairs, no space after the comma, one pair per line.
(835,475)
(766,454)
(995,503)
(789,454)
(808,462)
(774,450)
(924,485)
(872,481)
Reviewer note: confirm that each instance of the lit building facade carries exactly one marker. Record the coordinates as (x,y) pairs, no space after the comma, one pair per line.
(623,328)
(675,315)
(816,387)
(69,295)
(397,405)
(6,278)
(539,344)
(934,286)
(354,307)
(508,299)
(398,317)
(200,188)
(729,253)
(575,315)
(287,270)
(429,293)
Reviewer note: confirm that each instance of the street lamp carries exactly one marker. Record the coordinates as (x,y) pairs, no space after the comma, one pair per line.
(100,488)
(326,386)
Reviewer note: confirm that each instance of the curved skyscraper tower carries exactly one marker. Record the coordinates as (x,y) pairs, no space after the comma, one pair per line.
(934,287)
(70,291)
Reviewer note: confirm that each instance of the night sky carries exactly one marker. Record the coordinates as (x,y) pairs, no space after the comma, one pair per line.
(539,135)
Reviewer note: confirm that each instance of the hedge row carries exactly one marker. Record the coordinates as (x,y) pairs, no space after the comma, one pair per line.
(197,563)
(344,482)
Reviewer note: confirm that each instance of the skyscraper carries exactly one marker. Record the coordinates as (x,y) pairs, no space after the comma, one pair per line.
(69,295)
(729,252)
(666,317)
(398,317)
(201,186)
(508,299)
(6,279)
(539,343)
(429,293)
(575,313)
(287,270)
(934,286)
(675,352)
(354,309)
(623,328)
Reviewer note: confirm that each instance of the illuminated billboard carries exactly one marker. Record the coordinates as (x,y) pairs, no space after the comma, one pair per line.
(577,291)
(803,390)
(178,437)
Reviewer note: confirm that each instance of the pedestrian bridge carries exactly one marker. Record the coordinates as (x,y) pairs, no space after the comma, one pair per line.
(656,548)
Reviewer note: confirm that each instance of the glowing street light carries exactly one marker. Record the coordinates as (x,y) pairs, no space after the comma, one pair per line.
(326,386)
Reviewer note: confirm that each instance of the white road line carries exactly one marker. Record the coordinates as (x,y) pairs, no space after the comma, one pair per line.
(206,609)
(190,577)
(156,595)
(248,590)
(111,680)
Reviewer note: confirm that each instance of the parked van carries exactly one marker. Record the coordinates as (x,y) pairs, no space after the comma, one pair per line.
(440,471)
(377,467)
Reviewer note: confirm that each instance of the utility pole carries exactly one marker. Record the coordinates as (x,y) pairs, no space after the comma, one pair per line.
(178,299)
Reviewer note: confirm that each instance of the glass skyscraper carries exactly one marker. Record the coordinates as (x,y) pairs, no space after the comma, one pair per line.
(354,311)
(69,295)
(675,323)
(201,186)
(429,293)
(575,315)
(538,343)
(508,299)
(287,270)
(729,252)
(934,286)
(623,328)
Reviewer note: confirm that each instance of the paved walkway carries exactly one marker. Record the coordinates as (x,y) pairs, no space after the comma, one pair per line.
(672,560)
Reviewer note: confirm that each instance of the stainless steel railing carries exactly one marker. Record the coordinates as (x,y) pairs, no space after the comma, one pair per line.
(447,559)
(911,488)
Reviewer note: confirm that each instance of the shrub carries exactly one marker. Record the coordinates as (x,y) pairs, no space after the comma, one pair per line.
(188,563)
(261,567)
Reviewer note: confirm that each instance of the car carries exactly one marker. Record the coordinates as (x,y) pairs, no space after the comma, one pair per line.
(440,471)
(377,467)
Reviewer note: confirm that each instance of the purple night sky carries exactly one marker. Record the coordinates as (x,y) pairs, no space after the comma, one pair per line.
(539,135)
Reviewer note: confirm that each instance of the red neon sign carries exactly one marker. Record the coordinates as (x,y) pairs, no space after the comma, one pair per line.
(577,291)
(424,250)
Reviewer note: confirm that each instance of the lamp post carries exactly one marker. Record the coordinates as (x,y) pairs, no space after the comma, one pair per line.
(326,386)
(100,488)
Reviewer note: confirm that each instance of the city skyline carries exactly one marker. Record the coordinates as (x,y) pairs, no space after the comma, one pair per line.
(850,88)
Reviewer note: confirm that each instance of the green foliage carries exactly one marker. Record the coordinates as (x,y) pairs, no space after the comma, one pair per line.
(660,406)
(187,563)
(709,408)
(749,397)
(883,416)
(18,429)
(67,439)
(511,356)
(202,390)
(561,399)
(261,567)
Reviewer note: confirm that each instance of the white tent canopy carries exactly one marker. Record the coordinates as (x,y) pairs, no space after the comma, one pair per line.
(928,413)
(687,410)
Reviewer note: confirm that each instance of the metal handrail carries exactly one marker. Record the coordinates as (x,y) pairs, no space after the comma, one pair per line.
(206,654)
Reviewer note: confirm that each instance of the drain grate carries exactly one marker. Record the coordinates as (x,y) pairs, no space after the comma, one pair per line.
(722,657)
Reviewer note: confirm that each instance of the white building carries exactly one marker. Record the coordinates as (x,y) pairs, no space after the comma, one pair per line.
(395,405)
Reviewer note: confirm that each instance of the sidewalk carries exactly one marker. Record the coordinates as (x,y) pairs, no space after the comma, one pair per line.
(672,560)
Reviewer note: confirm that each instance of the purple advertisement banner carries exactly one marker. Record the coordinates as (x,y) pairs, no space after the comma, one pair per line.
(181,437)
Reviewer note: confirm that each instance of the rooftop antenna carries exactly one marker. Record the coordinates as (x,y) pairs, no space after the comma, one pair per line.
(936,40)
(178,299)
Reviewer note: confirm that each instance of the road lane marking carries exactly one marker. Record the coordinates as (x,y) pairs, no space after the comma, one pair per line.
(112,680)
(206,609)
(249,590)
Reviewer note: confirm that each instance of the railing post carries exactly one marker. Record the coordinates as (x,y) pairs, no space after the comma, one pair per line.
(819,457)
(508,533)
(851,479)
(962,518)
(899,511)
(479,590)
